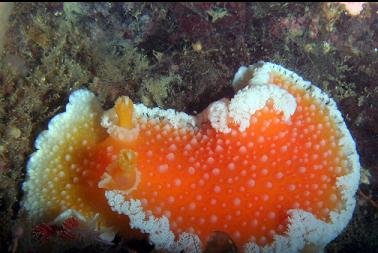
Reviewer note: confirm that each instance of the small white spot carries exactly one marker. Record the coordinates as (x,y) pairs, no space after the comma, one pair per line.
(243,150)
(202,221)
(191,170)
(67,157)
(180,219)
(171,199)
(172,147)
(178,182)
(237,201)
(272,215)
(254,222)
(264,172)
(333,197)
(216,171)
(292,187)
(158,210)
(251,183)
(167,213)
(192,206)
(163,168)
(194,141)
(144,202)
(217,189)
(213,218)
(265,197)
(308,144)
(338,170)
(302,170)
(269,185)
(213,201)
(218,149)
(187,147)
(324,178)
(279,175)
(264,158)
(210,160)
(171,157)
(231,166)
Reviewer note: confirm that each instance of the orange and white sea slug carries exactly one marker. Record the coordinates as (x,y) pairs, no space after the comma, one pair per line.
(275,167)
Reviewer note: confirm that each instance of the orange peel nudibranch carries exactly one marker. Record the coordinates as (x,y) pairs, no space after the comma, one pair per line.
(274,167)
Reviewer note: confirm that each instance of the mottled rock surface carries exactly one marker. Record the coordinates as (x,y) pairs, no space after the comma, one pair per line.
(181,56)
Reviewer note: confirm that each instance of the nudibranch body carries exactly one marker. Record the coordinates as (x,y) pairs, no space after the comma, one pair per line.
(274,167)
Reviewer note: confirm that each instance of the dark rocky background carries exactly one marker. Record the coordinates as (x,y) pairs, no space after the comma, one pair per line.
(181,56)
